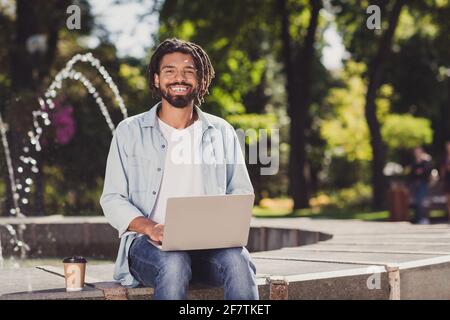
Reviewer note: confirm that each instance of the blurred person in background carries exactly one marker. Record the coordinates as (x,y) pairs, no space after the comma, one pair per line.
(445,175)
(421,168)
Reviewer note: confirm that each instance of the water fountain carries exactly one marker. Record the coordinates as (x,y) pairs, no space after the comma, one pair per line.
(42,115)
(15,236)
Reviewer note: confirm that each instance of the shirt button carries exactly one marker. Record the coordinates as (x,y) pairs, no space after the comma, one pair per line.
(154,192)
(159,169)
(163,146)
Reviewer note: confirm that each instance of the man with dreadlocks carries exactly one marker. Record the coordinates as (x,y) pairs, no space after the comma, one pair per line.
(146,166)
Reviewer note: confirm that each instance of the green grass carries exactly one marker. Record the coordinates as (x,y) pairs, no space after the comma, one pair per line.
(332,213)
(320,213)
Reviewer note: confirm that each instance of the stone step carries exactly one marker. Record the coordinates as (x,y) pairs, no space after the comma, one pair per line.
(412,248)
(369,258)
(304,280)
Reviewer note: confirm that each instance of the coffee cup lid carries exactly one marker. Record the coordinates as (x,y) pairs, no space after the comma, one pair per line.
(75,259)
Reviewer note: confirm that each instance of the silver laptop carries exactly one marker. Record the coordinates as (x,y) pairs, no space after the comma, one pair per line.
(207,222)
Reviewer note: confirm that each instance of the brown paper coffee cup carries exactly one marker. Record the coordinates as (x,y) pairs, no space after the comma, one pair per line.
(74,273)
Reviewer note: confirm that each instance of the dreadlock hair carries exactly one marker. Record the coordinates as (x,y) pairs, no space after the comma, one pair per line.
(205,70)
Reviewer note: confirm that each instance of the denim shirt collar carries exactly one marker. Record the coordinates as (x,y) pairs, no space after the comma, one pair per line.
(150,118)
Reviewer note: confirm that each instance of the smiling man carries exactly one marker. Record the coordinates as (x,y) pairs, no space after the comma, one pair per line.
(143,170)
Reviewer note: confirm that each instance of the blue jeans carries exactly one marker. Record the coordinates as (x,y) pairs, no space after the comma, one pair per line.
(170,272)
(420,191)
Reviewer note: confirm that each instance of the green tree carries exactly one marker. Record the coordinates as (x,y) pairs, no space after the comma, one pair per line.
(347,133)
(418,68)
(411,53)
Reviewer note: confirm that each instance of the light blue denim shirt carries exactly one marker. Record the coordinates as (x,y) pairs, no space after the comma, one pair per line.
(135,168)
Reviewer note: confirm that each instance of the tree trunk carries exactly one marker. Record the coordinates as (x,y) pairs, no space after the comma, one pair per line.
(298,87)
(22,82)
(375,81)
(21,62)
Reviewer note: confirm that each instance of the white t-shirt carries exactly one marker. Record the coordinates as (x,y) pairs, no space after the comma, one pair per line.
(182,175)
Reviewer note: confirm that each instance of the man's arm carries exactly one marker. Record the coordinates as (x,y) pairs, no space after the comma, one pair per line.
(119,211)
(238,180)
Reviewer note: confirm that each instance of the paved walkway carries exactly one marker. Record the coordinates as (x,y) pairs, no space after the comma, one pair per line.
(363,260)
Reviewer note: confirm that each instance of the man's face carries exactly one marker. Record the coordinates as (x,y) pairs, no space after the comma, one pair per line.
(177,79)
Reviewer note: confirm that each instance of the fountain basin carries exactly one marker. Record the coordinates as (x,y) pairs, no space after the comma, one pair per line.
(59,236)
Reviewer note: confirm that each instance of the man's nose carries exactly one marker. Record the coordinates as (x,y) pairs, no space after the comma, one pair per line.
(180,76)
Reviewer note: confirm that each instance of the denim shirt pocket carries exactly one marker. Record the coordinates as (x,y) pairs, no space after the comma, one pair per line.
(139,181)
(138,174)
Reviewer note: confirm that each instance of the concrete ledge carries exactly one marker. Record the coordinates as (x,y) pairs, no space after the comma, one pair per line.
(97,289)
(362,260)
(56,294)
(348,283)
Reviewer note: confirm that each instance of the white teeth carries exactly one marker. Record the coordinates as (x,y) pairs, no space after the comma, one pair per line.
(179,89)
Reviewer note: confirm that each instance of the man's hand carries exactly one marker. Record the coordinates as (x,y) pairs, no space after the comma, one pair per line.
(151,229)
(156,233)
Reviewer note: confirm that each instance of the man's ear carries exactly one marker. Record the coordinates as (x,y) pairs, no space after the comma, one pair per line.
(156,80)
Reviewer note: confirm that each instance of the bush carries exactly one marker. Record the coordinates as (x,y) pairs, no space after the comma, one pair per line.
(404,131)
(356,197)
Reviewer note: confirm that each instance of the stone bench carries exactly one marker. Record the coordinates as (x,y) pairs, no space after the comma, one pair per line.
(286,279)
(101,289)
(363,260)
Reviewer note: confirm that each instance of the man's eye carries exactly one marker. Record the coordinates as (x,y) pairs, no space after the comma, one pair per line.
(190,73)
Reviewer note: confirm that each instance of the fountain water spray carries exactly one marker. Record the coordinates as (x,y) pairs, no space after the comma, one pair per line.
(56,85)
(51,93)
(15,236)
(46,104)
(9,165)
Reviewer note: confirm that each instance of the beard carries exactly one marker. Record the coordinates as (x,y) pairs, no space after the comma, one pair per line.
(178,101)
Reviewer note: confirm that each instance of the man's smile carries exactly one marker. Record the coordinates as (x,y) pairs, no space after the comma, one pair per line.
(179,88)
